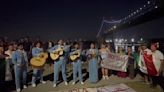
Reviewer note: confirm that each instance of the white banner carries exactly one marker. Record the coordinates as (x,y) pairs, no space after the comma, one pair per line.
(116,88)
(116,62)
(109,88)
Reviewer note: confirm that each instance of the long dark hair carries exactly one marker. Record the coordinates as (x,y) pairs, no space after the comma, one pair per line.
(35,43)
(93,44)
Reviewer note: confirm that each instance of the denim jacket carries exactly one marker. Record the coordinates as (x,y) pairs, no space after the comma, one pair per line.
(19,58)
(36,51)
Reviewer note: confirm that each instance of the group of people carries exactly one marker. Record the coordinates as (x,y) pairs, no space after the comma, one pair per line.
(17,56)
(151,64)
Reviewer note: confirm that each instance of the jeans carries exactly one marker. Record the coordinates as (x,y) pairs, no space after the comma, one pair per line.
(60,64)
(20,72)
(37,73)
(77,69)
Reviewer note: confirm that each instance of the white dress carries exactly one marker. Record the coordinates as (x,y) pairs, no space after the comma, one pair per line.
(8,75)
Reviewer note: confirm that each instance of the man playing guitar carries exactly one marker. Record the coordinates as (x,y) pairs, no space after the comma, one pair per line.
(57,54)
(75,57)
(36,51)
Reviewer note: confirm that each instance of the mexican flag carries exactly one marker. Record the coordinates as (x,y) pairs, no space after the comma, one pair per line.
(147,63)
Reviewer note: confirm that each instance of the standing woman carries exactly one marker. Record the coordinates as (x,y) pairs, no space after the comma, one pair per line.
(9,62)
(36,51)
(77,63)
(59,63)
(92,54)
(104,51)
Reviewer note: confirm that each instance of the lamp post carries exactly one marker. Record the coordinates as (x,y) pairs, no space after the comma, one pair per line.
(133,47)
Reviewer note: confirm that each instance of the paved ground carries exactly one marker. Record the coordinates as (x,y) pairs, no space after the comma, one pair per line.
(136,83)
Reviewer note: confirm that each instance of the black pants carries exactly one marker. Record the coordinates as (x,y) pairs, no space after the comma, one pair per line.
(158,80)
(2,74)
(131,70)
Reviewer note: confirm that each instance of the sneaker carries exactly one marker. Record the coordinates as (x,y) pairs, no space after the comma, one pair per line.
(106,77)
(73,83)
(18,90)
(43,82)
(33,85)
(66,83)
(24,86)
(103,77)
(82,83)
(54,85)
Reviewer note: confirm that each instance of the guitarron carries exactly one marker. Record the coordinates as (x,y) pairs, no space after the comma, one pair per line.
(39,61)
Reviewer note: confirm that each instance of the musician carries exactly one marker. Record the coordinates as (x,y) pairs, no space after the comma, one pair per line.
(20,61)
(59,63)
(77,64)
(92,54)
(37,72)
(104,58)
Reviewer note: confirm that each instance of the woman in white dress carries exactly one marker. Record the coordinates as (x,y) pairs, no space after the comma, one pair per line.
(8,74)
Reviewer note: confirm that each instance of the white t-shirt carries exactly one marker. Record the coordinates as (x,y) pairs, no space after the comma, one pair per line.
(158,57)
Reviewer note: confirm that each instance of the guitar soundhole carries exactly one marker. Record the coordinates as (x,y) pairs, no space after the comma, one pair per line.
(41,56)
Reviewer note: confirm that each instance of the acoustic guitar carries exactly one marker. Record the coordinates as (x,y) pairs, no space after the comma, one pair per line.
(55,55)
(39,61)
(92,54)
(74,56)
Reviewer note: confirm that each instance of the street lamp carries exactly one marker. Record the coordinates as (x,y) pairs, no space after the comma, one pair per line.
(156,7)
(116,40)
(132,40)
(125,40)
(141,39)
(120,40)
(148,2)
(107,41)
(115,27)
(134,12)
(129,16)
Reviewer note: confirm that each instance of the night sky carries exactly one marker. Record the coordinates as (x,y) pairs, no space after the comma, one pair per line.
(60,19)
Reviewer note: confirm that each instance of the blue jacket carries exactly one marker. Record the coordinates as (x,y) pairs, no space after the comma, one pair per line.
(36,51)
(19,58)
(65,49)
